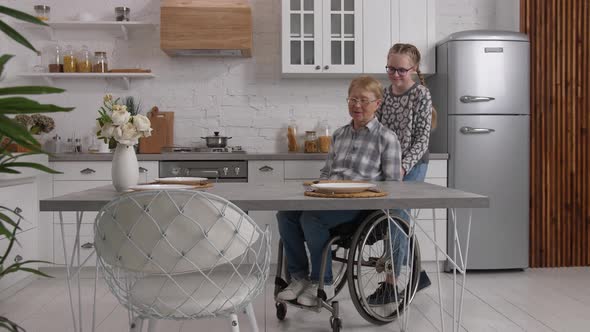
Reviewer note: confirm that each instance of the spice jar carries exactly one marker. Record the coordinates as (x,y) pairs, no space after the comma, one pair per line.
(311,142)
(69,60)
(55,60)
(325,139)
(122,13)
(100,62)
(292,136)
(42,12)
(83,63)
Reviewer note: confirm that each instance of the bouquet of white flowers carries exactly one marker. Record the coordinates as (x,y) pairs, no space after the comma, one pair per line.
(117,125)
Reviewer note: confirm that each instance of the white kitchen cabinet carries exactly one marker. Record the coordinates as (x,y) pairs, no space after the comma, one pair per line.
(322,36)
(260,172)
(415,22)
(353,36)
(21,197)
(78,176)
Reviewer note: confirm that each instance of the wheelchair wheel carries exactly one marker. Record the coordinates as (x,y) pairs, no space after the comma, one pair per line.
(369,261)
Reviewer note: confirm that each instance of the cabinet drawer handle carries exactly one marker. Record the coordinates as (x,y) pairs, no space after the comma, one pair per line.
(266,168)
(142,169)
(88,245)
(326,67)
(18,210)
(87,171)
(18,258)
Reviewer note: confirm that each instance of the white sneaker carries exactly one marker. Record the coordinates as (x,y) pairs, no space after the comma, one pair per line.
(309,297)
(295,288)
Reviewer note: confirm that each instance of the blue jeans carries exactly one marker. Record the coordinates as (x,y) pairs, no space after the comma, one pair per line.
(313,227)
(400,239)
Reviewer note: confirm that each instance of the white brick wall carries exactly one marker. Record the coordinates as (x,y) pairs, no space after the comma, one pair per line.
(243,98)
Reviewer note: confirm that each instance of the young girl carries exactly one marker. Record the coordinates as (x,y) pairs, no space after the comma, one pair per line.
(407,110)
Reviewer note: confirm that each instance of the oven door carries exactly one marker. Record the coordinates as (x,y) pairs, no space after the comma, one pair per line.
(215,170)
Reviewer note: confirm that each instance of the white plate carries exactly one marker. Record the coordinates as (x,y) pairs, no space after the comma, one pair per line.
(181,180)
(141,187)
(342,188)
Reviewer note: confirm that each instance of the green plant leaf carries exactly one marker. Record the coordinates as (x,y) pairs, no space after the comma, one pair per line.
(31,165)
(17,37)
(3,59)
(29,90)
(8,170)
(20,105)
(21,16)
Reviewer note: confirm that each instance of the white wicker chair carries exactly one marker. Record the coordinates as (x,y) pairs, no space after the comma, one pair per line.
(181,255)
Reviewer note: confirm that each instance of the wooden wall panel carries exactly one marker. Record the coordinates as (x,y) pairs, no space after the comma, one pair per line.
(559,31)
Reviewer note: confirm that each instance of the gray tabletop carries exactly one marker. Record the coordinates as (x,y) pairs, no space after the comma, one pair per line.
(289,196)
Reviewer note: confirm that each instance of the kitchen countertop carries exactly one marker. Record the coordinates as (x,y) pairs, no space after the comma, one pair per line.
(208,156)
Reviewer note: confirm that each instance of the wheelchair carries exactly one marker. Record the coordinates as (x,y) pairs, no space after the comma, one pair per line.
(361,257)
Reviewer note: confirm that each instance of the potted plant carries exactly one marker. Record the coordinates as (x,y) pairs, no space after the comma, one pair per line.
(12,132)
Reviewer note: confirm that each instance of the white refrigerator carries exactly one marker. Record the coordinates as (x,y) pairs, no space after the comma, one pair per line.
(481,92)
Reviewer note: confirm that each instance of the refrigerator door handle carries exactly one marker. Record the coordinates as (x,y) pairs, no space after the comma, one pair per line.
(475,99)
(471,130)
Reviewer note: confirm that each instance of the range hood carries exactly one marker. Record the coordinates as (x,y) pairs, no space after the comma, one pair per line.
(206,27)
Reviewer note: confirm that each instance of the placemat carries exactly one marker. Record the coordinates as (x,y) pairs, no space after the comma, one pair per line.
(364,194)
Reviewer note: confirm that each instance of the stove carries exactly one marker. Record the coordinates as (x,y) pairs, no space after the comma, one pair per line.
(189,149)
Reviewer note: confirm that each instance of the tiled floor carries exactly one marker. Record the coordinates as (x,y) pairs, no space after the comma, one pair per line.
(534,300)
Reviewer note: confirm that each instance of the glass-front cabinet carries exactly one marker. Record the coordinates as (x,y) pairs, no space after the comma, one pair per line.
(322,36)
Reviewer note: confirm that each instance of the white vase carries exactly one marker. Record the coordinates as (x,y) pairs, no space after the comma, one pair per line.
(125,170)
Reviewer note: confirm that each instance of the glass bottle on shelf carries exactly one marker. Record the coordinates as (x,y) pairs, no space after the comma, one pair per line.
(325,139)
(55,60)
(100,62)
(42,12)
(311,142)
(69,60)
(292,136)
(83,64)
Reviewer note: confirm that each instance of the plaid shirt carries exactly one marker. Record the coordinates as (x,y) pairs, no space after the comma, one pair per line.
(370,153)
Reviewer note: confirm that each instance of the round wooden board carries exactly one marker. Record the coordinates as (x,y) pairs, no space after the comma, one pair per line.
(364,194)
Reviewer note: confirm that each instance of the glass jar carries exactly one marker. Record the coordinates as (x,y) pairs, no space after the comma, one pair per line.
(56,64)
(122,13)
(292,136)
(83,64)
(69,60)
(100,62)
(311,142)
(42,12)
(325,139)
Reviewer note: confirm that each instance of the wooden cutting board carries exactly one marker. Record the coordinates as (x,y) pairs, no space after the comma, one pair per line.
(162,132)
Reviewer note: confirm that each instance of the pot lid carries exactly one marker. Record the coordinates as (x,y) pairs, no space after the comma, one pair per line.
(216,135)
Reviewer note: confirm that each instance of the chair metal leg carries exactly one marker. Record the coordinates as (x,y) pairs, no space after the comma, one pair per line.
(252,317)
(235,327)
(136,324)
(152,325)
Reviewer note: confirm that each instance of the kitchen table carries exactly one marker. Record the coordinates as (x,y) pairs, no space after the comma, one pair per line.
(290,196)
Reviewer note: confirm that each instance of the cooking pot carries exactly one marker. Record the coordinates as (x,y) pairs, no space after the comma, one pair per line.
(216,141)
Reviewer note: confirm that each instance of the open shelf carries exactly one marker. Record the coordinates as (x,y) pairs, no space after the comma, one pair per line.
(125,77)
(120,28)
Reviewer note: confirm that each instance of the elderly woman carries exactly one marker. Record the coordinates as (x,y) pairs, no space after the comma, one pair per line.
(364,149)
